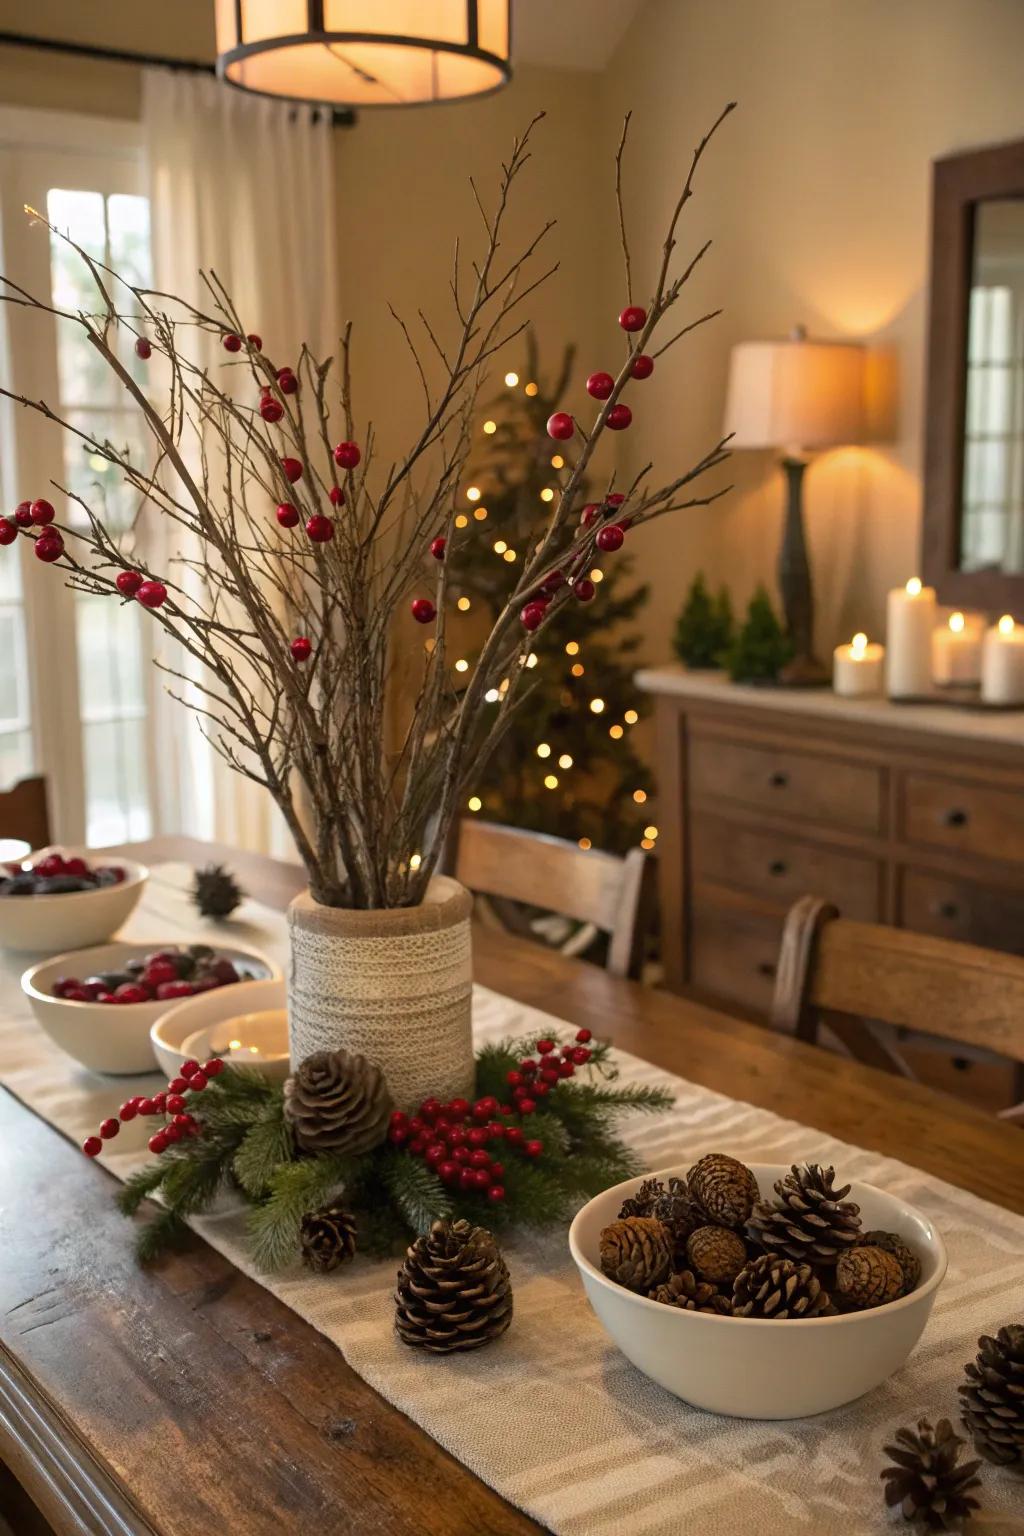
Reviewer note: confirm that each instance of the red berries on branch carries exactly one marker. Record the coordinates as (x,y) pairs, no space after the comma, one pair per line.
(169,1102)
(610,538)
(320,528)
(561,426)
(152,594)
(42,513)
(619,417)
(423,610)
(591,512)
(287,382)
(584,589)
(287,514)
(301,648)
(633,318)
(532,615)
(438,547)
(128,582)
(600,385)
(231,342)
(337,496)
(643,366)
(255,341)
(143,348)
(8,532)
(291,469)
(49,546)
(270,409)
(347,455)
(23,514)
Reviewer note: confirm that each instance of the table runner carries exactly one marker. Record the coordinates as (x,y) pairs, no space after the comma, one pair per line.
(552,1415)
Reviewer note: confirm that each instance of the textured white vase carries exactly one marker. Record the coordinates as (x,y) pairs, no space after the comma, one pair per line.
(394,985)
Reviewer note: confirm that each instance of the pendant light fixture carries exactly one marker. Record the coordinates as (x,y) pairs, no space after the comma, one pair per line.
(361,53)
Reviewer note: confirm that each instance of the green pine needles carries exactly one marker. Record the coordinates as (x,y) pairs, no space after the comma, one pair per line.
(246,1151)
(704,629)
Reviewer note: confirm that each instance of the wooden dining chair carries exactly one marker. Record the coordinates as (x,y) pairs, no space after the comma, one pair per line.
(24,813)
(849,976)
(611,893)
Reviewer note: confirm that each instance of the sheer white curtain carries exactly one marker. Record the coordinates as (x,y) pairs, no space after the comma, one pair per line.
(244,186)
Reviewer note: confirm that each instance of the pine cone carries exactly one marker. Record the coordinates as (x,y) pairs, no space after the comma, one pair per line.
(774,1287)
(926,1482)
(716,1253)
(993,1397)
(675,1208)
(810,1220)
(337,1101)
(868,1277)
(723,1189)
(215,891)
(327,1238)
(685,1291)
(904,1255)
(636,1252)
(642,1203)
(454,1291)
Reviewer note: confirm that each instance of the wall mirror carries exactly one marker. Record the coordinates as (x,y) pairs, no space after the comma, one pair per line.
(973,528)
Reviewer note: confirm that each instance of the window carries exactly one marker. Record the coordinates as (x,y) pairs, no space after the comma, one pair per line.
(78,657)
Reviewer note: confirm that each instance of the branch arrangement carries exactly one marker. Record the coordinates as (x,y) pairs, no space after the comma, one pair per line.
(293,624)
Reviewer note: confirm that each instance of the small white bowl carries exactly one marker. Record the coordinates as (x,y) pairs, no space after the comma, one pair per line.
(78,918)
(756,1368)
(109,1037)
(257,1041)
(178,1024)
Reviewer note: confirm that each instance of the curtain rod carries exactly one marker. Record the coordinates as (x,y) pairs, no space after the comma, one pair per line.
(341,117)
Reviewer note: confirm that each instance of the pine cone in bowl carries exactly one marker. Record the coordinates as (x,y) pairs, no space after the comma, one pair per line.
(810,1221)
(723,1189)
(636,1252)
(868,1277)
(716,1253)
(775,1287)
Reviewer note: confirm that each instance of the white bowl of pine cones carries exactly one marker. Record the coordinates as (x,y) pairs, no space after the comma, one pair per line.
(760,1291)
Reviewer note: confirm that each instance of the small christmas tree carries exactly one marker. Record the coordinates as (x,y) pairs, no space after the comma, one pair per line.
(704,629)
(762,647)
(567,765)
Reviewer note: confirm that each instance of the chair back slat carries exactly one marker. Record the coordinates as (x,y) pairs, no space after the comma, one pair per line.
(24,813)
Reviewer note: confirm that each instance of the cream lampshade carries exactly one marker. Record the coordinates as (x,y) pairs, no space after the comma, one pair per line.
(796,395)
(361,53)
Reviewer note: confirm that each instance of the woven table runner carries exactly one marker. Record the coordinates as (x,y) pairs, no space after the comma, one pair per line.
(552,1415)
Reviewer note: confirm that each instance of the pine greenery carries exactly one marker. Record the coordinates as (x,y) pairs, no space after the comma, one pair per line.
(704,629)
(762,647)
(246,1146)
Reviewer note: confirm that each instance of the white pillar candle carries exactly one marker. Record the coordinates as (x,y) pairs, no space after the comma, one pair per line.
(956,650)
(910,619)
(1002,663)
(857,668)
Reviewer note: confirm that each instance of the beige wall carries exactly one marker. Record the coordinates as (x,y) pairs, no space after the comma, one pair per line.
(817,197)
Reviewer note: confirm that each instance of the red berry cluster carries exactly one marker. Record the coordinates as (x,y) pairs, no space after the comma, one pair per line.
(169,1102)
(165,975)
(49,544)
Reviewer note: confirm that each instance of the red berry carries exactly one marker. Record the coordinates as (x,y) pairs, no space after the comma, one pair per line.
(147,1107)
(271,410)
(561,426)
(158,1143)
(591,512)
(457,1135)
(8,532)
(171,989)
(49,547)
(177,1085)
(77,995)
(423,610)
(175,1104)
(477,1136)
(479,1158)
(495,1129)
(214,1067)
(337,496)
(173,1132)
(533,1148)
(580,1055)
(143,348)
(610,538)
(643,366)
(541,1090)
(619,417)
(128,583)
(255,341)
(528,1065)
(347,455)
(447,1171)
(481,1177)
(600,385)
(553,582)
(527,1106)
(584,1035)
(633,318)
(436,1153)
(197,1082)
(430,1109)
(398,1117)
(397,1134)
(184,1120)
(23,514)
(189,1068)
(287,514)
(496,1193)
(514,1134)
(231,342)
(615,499)
(160,1102)
(287,382)
(467,1179)
(437,547)
(109,1128)
(584,589)
(497,1170)
(291,469)
(514,1079)
(532,615)
(566,1069)
(545,1047)
(565,1052)
(131,992)
(158,971)
(42,513)
(320,529)
(461,1155)
(92,1146)
(301,648)
(458,1107)
(152,594)
(129,1109)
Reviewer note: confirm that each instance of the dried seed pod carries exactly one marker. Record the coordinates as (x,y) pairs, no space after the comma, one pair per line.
(723,1188)
(716,1253)
(901,1251)
(774,1287)
(636,1252)
(868,1277)
(685,1291)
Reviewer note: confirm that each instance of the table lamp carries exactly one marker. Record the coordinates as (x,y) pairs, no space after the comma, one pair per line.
(796,395)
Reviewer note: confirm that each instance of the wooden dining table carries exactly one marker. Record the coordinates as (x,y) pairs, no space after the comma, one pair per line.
(186,1400)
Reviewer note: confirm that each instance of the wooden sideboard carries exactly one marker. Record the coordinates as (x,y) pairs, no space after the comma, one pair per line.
(904,814)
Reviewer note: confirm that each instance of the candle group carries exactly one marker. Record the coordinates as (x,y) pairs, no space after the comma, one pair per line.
(910,620)
(1002,663)
(956,651)
(857,668)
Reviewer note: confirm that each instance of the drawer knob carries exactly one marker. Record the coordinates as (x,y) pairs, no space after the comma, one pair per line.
(777,867)
(946,909)
(779,780)
(956,818)
(766,967)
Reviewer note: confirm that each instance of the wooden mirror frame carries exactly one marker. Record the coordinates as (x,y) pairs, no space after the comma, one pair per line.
(959,183)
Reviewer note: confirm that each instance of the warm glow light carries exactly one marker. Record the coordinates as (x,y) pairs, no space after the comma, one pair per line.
(500,546)
(558,462)
(859,644)
(480,513)
(645,842)
(492,696)
(234,1045)
(464,604)
(462,665)
(565,761)
(547,494)
(475,803)
(650,831)
(473,493)
(616,732)
(490,426)
(596,575)
(577,669)
(511,379)
(550,781)
(428,645)
(631,717)
(914,587)
(509,555)
(415,861)
(1006,625)
(462,521)
(597,706)
(531,390)
(531,660)
(572,648)
(585,843)
(640,796)
(543,750)
(956,622)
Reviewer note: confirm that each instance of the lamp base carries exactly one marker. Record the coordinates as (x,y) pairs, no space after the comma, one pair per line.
(803,672)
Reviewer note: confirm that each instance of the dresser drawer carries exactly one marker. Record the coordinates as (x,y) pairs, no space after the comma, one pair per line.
(823,789)
(971,818)
(962,910)
(734,953)
(782,868)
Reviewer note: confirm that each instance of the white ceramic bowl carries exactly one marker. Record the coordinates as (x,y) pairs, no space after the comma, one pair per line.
(753,1368)
(173,1028)
(107,1037)
(48,923)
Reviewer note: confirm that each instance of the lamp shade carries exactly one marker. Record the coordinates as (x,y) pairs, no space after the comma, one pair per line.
(795,394)
(361,53)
